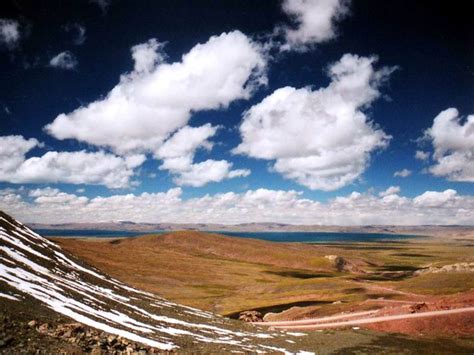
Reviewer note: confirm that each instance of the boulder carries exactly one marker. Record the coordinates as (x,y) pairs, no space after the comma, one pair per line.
(43,328)
(251,316)
(419,307)
(343,265)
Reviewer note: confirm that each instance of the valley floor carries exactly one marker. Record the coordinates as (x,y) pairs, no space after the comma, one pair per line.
(56,301)
(293,281)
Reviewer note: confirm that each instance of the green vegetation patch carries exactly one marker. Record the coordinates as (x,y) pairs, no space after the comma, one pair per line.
(439,283)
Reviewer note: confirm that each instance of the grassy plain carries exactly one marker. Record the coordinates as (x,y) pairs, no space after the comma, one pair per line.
(228,275)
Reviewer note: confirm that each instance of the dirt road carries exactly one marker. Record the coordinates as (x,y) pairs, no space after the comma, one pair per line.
(322,323)
(320,320)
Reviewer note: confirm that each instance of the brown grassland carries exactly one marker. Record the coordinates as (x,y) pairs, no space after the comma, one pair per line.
(228,275)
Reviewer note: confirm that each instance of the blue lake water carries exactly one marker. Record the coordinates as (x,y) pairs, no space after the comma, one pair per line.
(286,237)
(317,237)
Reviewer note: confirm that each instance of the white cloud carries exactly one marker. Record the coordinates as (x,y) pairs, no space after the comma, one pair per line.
(9,33)
(436,199)
(314,22)
(76,168)
(46,191)
(156,100)
(79,32)
(49,196)
(422,155)
(392,190)
(262,205)
(13,150)
(67,167)
(186,141)
(147,106)
(453,142)
(64,60)
(147,55)
(178,152)
(402,173)
(199,174)
(320,138)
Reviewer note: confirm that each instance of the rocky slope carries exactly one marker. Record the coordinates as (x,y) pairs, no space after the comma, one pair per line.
(86,308)
(458,267)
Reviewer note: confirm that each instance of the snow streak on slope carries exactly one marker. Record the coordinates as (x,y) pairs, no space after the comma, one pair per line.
(38,268)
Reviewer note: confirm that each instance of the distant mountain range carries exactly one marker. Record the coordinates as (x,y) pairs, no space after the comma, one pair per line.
(428,230)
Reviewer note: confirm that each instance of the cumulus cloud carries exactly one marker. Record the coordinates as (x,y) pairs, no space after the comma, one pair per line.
(436,199)
(261,205)
(9,33)
(186,141)
(422,155)
(78,31)
(64,60)
(81,167)
(199,174)
(49,196)
(147,55)
(47,191)
(147,106)
(392,190)
(13,150)
(402,173)
(76,168)
(320,138)
(452,138)
(314,22)
(148,111)
(178,153)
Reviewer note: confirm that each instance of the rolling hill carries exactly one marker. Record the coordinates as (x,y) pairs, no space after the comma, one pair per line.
(214,272)
(51,301)
(39,280)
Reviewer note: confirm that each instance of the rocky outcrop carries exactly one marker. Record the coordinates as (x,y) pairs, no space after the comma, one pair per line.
(458,267)
(40,337)
(251,316)
(343,265)
(419,307)
(91,340)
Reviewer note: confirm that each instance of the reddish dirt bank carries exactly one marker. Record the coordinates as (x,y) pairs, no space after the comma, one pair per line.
(461,324)
(319,323)
(432,316)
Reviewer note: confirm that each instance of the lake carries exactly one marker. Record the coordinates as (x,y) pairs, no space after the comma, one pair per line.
(284,237)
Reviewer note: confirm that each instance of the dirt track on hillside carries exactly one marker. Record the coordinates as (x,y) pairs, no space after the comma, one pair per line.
(322,323)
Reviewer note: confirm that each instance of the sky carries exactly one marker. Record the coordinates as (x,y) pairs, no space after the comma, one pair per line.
(327,112)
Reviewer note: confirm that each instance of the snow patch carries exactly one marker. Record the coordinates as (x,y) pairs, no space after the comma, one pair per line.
(10,297)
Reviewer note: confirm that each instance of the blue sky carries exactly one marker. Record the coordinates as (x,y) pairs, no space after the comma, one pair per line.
(58,59)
